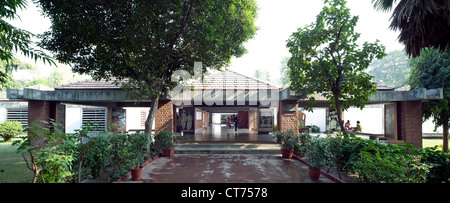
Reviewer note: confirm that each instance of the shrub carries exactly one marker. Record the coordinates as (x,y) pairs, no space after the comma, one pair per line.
(50,160)
(287,139)
(440,162)
(10,129)
(303,142)
(165,139)
(318,153)
(97,157)
(119,154)
(382,167)
(138,146)
(315,129)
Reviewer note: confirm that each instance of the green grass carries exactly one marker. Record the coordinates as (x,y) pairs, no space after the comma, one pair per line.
(431,142)
(13,168)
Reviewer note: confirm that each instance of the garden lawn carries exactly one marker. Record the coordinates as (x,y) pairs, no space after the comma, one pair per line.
(431,142)
(13,168)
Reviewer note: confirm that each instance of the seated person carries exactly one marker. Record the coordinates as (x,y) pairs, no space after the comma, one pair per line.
(347,126)
(358,126)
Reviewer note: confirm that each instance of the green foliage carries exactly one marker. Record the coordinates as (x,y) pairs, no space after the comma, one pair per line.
(138,146)
(146,42)
(13,39)
(431,70)
(303,142)
(97,155)
(54,155)
(391,164)
(319,154)
(50,152)
(439,162)
(287,139)
(165,139)
(328,48)
(315,129)
(393,69)
(377,163)
(140,44)
(10,129)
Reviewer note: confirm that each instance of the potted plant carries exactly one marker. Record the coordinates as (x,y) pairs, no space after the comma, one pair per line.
(138,145)
(166,140)
(318,155)
(288,142)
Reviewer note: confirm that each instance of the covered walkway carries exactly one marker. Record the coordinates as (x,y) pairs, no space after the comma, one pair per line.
(222,134)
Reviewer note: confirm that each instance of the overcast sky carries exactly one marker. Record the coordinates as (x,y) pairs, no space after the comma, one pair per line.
(277,20)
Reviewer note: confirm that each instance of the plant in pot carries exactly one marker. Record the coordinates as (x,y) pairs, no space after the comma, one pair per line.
(166,141)
(288,142)
(138,151)
(318,154)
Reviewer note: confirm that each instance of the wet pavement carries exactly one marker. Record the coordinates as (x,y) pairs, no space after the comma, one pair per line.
(227,168)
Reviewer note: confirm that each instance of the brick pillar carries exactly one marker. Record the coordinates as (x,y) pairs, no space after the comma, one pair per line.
(164,118)
(287,116)
(410,122)
(41,111)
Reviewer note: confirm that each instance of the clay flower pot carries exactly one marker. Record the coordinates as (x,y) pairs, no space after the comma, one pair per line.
(287,153)
(168,152)
(314,173)
(136,174)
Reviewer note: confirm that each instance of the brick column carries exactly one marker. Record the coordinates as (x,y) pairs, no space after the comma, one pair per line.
(164,118)
(288,116)
(41,111)
(410,122)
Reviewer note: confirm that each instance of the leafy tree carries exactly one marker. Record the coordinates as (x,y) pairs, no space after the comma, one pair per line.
(6,70)
(422,23)
(10,129)
(13,39)
(284,72)
(431,70)
(393,69)
(140,44)
(262,74)
(325,59)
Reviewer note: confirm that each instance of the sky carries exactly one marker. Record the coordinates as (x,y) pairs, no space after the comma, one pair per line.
(277,20)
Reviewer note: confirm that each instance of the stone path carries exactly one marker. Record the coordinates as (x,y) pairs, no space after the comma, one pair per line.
(227,168)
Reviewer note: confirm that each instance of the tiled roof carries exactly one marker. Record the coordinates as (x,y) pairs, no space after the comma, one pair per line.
(383,87)
(214,79)
(228,79)
(89,84)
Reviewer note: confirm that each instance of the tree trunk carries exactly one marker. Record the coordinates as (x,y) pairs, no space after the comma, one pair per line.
(445,136)
(337,104)
(149,121)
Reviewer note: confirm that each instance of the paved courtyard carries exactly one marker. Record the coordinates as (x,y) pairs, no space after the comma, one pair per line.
(227,168)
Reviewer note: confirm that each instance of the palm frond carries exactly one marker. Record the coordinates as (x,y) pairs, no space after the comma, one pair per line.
(383,5)
(422,23)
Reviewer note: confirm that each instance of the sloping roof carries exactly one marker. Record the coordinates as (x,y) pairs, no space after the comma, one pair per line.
(231,80)
(214,79)
(89,84)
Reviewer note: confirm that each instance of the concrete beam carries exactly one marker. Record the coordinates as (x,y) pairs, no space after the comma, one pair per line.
(378,97)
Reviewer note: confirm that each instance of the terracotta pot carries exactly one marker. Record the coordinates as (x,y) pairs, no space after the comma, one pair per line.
(168,152)
(136,174)
(286,153)
(314,174)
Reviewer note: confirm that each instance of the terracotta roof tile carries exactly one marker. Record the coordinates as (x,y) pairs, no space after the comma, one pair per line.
(214,79)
